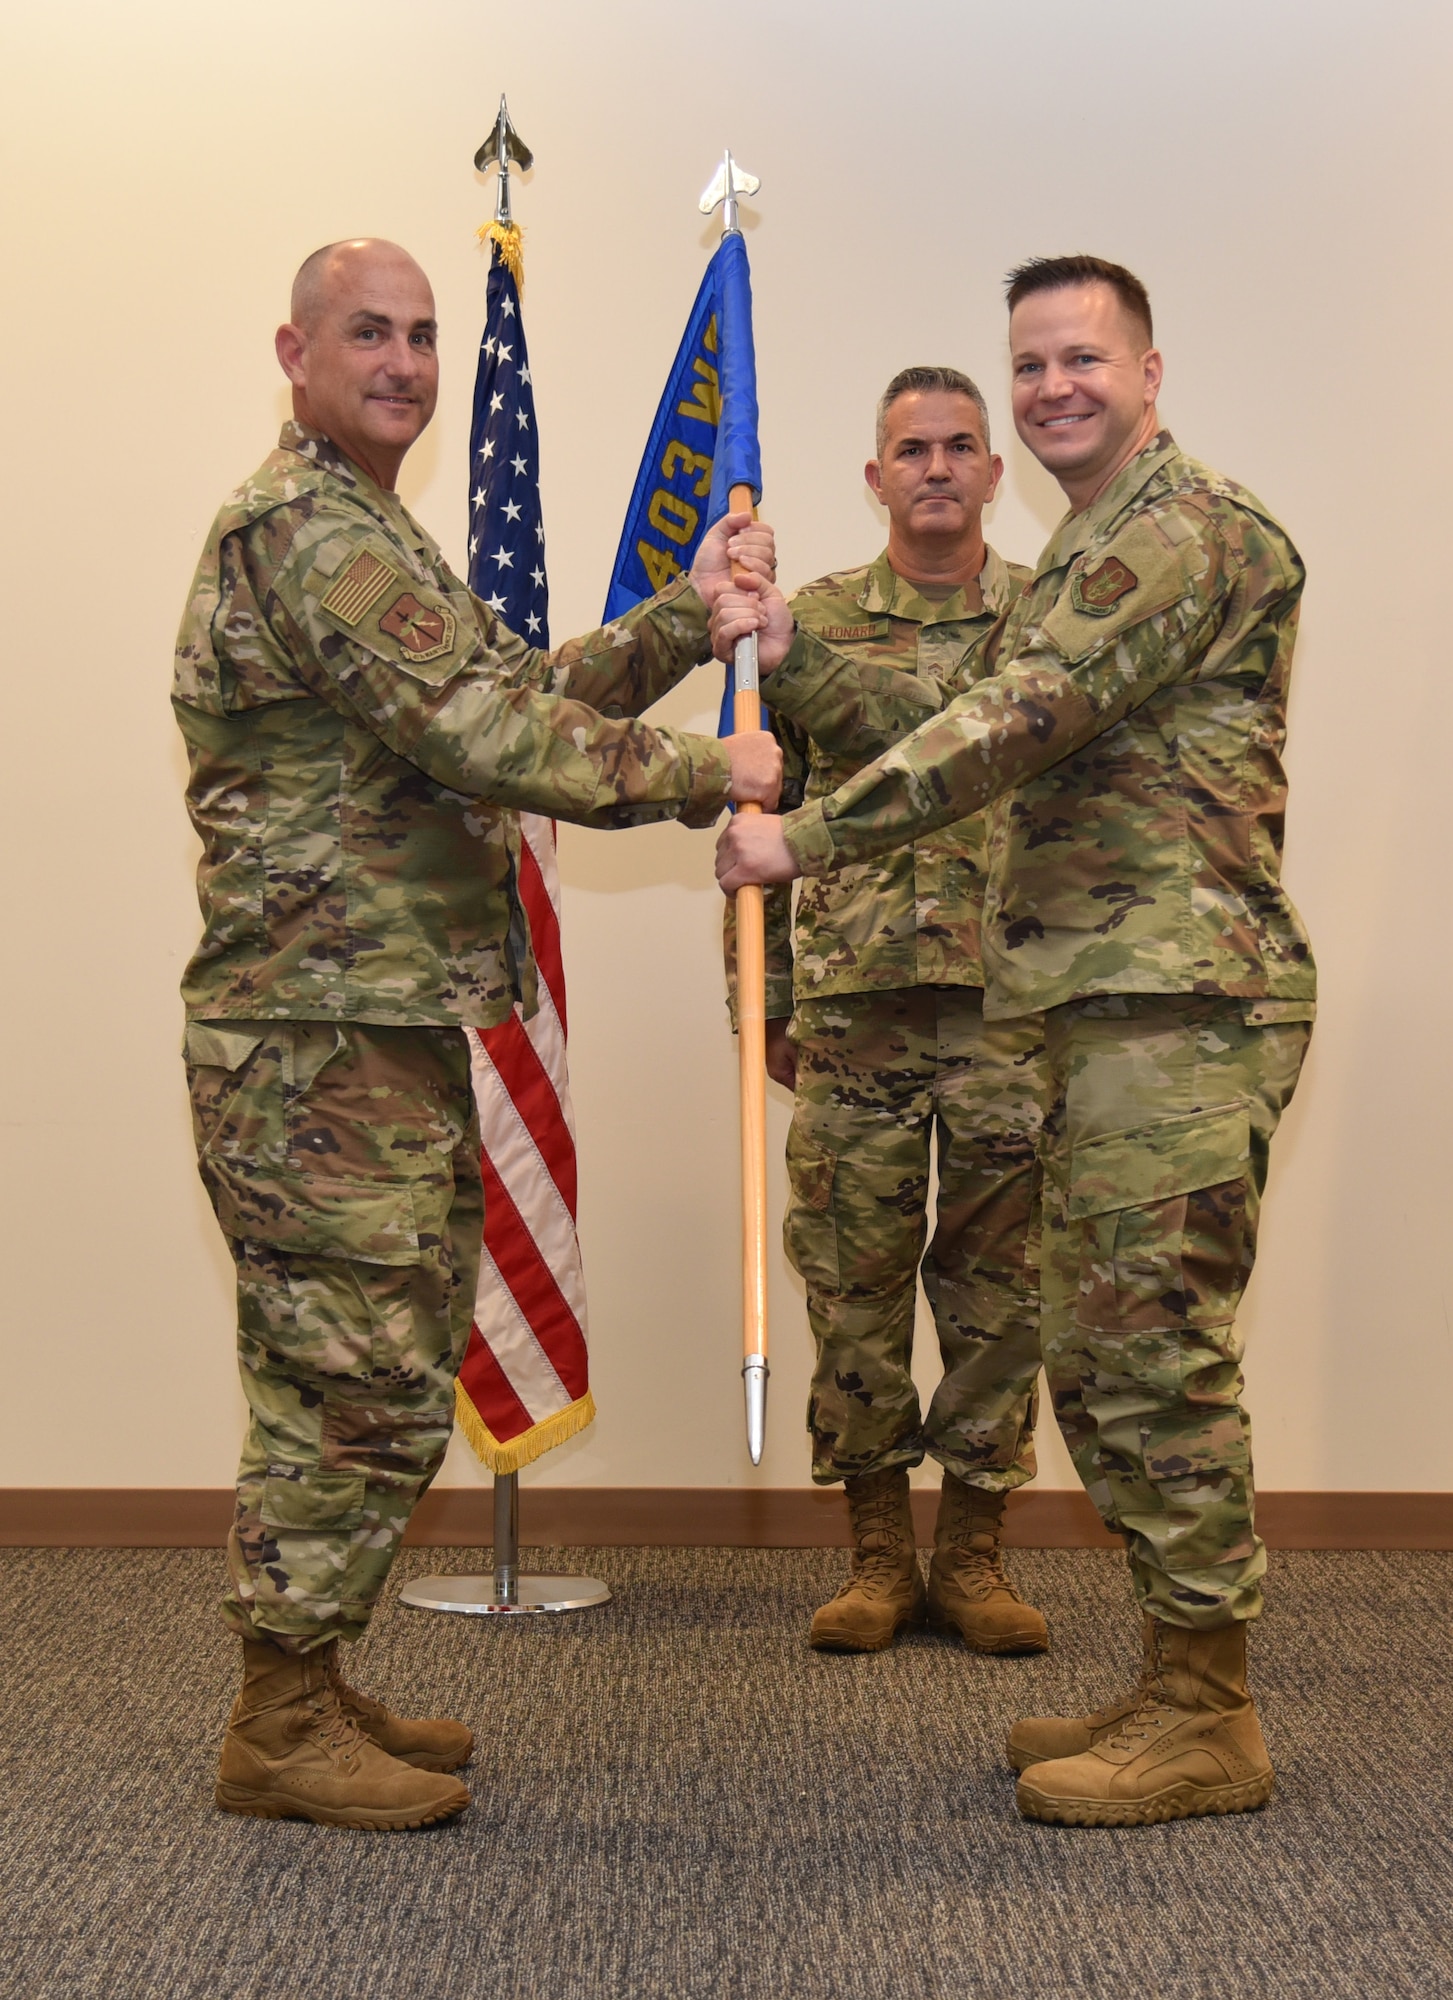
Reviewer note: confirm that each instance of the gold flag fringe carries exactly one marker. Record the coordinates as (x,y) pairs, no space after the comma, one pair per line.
(511,249)
(533,1444)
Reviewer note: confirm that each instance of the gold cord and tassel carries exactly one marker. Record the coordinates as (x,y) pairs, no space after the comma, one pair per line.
(510,243)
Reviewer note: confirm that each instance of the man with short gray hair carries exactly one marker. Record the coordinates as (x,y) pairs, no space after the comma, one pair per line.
(876,1022)
(927,381)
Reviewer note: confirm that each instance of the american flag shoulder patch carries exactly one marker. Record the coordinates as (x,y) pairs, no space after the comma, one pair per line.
(362,584)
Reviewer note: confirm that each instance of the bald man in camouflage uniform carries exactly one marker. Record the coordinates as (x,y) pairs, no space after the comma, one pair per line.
(887,1045)
(361,730)
(1128,745)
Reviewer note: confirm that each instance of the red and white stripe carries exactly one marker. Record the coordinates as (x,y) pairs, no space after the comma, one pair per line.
(524,1384)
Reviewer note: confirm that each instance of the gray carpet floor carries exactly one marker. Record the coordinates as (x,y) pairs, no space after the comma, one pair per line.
(675,1800)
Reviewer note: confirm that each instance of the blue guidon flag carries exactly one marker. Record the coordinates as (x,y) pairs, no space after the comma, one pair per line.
(703,441)
(506,533)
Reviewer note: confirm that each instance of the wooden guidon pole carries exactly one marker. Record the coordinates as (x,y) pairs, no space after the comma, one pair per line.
(728,182)
(752,1049)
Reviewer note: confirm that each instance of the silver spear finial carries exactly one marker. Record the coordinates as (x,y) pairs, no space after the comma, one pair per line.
(754,1380)
(503,145)
(729,181)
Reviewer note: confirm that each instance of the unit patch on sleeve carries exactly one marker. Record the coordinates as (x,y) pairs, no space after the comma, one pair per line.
(423,630)
(1100,590)
(362,584)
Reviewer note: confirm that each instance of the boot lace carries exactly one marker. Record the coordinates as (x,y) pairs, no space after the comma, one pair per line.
(972,1544)
(880,1566)
(1153,1709)
(360,1708)
(978,1564)
(330,1724)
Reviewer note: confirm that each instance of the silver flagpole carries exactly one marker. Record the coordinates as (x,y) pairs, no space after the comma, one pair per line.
(506,1592)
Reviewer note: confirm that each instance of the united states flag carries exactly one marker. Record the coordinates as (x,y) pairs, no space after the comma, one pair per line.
(524,1385)
(506,533)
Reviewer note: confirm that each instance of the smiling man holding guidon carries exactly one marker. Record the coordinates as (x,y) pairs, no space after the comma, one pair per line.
(362,733)
(1127,744)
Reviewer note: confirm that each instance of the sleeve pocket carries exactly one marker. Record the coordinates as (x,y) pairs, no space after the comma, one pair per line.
(428,631)
(1161,575)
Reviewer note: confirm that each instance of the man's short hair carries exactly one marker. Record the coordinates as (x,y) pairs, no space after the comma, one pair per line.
(1054,274)
(947,381)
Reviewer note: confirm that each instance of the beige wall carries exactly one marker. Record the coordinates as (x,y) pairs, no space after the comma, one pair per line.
(1278,171)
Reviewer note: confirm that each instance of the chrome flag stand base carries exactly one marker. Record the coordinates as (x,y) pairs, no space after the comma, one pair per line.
(506,1593)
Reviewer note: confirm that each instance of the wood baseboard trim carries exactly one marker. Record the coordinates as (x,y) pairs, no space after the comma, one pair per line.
(691,1517)
(722,1517)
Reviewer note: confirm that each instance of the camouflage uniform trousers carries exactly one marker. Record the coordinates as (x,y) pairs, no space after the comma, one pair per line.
(343,1163)
(1155,1145)
(877,1074)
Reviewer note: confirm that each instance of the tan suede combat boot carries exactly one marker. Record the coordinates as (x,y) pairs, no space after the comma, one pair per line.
(433,1744)
(884,1590)
(291,1752)
(1038,1738)
(1190,1745)
(968,1592)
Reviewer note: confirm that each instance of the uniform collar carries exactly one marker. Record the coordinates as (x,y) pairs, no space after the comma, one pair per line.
(1076,532)
(889,595)
(321,451)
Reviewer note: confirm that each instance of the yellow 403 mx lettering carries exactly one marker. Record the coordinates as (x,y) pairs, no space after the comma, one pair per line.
(670,512)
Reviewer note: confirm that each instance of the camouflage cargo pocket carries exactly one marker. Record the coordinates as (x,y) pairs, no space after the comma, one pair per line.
(324,1501)
(1150,1163)
(1162,1211)
(220,1044)
(1198,1449)
(364,1222)
(218,1056)
(809,1228)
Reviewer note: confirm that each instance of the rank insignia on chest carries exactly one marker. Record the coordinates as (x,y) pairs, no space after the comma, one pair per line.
(362,584)
(1100,590)
(423,630)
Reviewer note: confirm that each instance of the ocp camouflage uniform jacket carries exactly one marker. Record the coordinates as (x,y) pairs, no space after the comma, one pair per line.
(909,917)
(361,731)
(1128,741)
